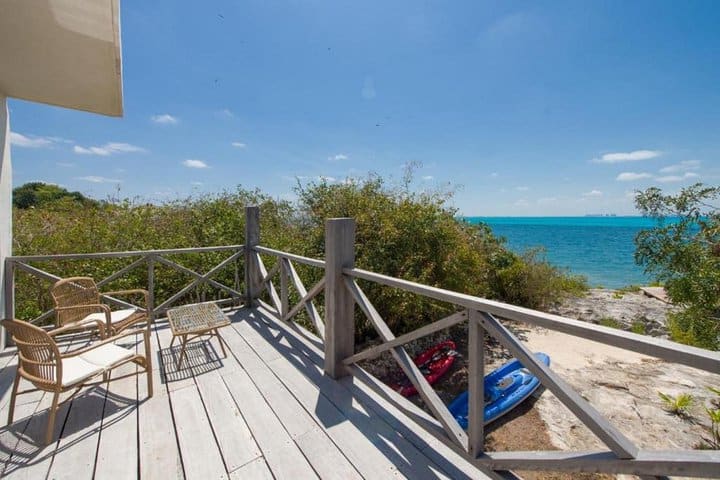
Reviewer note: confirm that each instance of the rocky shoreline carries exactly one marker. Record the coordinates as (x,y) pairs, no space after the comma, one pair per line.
(629,310)
(622,385)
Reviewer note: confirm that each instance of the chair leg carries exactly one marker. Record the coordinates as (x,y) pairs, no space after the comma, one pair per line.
(51,419)
(13,397)
(148,361)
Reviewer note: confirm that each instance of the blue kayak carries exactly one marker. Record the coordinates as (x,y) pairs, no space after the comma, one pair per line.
(505,389)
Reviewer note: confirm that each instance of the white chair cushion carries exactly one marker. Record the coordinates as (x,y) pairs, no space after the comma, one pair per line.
(75,369)
(106,356)
(115,316)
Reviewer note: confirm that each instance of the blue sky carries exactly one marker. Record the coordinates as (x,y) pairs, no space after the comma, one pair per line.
(521,108)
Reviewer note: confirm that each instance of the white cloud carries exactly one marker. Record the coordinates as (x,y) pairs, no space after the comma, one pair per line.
(110,148)
(427,178)
(59,140)
(521,203)
(96,179)
(197,184)
(593,193)
(683,166)
(676,178)
(632,176)
(494,175)
(20,140)
(226,113)
(522,189)
(368,91)
(190,163)
(338,157)
(238,145)
(633,156)
(165,119)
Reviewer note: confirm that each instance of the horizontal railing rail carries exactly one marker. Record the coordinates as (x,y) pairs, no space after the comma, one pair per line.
(313,262)
(656,347)
(145,258)
(130,253)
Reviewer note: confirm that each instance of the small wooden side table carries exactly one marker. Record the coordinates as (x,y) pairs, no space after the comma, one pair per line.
(190,322)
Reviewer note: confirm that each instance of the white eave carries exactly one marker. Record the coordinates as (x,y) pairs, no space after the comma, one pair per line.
(62,52)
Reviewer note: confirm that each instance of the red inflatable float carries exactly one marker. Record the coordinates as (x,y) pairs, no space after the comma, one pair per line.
(433,363)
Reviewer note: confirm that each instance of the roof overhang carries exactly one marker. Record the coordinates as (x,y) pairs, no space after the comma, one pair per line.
(62,52)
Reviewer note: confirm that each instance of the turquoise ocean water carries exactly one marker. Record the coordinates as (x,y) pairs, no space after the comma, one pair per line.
(601,248)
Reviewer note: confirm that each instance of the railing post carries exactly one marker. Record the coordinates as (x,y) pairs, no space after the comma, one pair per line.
(9,298)
(252,238)
(284,300)
(339,303)
(476,385)
(151,288)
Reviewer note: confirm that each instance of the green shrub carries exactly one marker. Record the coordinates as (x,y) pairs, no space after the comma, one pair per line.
(414,236)
(609,322)
(638,327)
(683,252)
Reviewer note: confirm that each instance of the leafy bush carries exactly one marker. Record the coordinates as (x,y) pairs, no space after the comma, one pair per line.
(609,322)
(414,236)
(683,252)
(35,194)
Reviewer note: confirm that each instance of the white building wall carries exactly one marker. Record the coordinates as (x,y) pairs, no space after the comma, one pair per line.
(5,205)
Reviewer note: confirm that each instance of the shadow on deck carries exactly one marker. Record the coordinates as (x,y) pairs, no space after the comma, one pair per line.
(265,411)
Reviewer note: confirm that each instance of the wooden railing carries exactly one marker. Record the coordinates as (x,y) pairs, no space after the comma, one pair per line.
(147,259)
(288,276)
(623,455)
(482,315)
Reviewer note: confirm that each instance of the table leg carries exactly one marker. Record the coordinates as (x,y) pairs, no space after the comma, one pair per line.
(222,343)
(182,351)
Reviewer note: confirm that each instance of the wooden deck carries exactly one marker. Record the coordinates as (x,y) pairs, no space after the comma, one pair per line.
(265,411)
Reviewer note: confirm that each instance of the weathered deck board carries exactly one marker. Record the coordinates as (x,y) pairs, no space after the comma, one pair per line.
(158,448)
(200,455)
(325,457)
(119,434)
(283,456)
(256,470)
(77,448)
(201,458)
(235,440)
(327,398)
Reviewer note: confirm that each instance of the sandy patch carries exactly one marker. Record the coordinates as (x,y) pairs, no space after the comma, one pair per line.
(572,353)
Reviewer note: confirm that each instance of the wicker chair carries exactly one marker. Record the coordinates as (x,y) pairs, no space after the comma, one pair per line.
(41,363)
(78,302)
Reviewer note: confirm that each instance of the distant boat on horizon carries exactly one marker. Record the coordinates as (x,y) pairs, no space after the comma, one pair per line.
(600,215)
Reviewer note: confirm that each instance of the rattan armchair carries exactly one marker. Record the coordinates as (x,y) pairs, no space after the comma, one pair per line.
(41,363)
(78,302)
